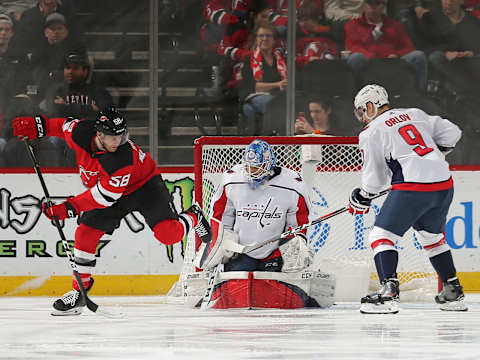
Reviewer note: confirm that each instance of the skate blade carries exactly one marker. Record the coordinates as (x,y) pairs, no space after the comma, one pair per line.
(454,306)
(389,307)
(71,312)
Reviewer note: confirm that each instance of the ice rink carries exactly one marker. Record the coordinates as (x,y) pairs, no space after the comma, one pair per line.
(152,329)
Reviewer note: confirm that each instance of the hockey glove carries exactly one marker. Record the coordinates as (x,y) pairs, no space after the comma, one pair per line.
(60,211)
(359,202)
(445,149)
(30,127)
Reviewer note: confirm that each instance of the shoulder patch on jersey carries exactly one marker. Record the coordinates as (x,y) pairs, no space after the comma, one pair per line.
(83,134)
(299,179)
(117,160)
(230,171)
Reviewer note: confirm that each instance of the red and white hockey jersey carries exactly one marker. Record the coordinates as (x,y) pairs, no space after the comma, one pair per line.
(261,213)
(402,144)
(107,175)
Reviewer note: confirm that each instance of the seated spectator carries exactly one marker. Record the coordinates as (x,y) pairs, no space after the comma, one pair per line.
(74,96)
(375,35)
(279,13)
(13,72)
(48,57)
(322,120)
(264,74)
(314,40)
(451,33)
(31,24)
(217,15)
(473,6)
(235,46)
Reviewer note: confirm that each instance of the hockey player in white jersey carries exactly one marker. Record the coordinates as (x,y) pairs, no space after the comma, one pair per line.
(258,200)
(407,147)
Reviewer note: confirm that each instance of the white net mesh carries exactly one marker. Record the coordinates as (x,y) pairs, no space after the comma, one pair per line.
(330,168)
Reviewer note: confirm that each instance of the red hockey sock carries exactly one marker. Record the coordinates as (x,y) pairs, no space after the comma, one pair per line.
(86,241)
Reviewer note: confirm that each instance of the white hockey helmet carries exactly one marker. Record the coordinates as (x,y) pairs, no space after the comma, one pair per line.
(373,93)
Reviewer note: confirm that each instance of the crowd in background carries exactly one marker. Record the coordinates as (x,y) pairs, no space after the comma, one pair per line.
(45,65)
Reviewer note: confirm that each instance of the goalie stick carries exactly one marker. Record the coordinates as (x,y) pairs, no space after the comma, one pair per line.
(206,301)
(90,304)
(289,234)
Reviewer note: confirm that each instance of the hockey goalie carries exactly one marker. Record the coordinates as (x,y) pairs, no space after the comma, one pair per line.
(255,201)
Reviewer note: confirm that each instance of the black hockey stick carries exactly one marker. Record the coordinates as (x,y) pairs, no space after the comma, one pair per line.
(290,234)
(90,304)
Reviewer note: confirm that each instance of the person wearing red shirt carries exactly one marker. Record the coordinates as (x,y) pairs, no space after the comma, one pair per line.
(315,41)
(120,178)
(375,35)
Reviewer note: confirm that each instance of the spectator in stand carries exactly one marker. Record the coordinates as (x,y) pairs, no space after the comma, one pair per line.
(13,73)
(236,44)
(473,6)
(279,13)
(31,25)
(452,33)
(323,122)
(47,59)
(74,96)
(264,73)
(375,35)
(218,14)
(314,40)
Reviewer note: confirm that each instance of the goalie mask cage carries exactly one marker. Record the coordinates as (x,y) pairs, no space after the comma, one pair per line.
(331,168)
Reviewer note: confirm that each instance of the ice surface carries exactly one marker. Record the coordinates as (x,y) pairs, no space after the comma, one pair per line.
(153,329)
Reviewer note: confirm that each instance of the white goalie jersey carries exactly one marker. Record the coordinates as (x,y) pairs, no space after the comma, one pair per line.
(402,144)
(261,213)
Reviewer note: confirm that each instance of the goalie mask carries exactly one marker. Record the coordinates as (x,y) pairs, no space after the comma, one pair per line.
(375,94)
(259,162)
(111,122)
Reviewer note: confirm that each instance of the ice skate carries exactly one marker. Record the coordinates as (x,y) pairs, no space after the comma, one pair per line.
(72,303)
(451,297)
(385,301)
(203,227)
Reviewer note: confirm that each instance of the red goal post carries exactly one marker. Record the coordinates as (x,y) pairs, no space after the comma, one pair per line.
(331,168)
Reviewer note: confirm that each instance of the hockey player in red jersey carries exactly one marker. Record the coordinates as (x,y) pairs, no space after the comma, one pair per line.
(405,146)
(120,178)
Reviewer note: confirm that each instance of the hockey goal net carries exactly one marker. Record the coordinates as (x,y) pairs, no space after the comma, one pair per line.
(330,167)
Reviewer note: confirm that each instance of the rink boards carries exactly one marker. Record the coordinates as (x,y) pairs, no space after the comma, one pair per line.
(132,261)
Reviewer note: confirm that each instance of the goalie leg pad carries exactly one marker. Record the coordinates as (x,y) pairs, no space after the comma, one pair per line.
(254,293)
(169,231)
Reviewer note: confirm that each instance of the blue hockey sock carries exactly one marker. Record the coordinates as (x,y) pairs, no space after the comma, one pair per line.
(386,264)
(443,265)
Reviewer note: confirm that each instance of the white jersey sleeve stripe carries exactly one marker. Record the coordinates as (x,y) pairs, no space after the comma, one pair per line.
(100,198)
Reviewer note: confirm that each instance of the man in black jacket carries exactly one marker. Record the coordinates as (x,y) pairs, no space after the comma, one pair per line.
(75,96)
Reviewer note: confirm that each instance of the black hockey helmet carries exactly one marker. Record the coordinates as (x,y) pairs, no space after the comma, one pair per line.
(110,122)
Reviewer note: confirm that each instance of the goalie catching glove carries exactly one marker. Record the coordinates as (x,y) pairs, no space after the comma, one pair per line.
(60,211)
(298,255)
(30,127)
(359,202)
